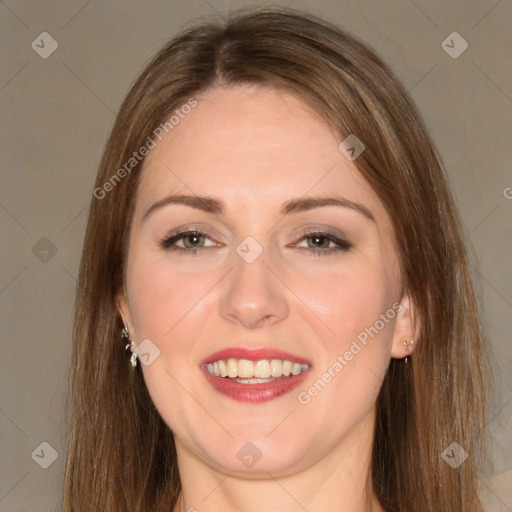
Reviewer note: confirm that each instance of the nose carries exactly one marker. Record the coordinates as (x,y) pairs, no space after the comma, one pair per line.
(252,295)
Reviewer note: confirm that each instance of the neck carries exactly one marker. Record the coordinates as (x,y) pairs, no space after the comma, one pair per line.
(339,481)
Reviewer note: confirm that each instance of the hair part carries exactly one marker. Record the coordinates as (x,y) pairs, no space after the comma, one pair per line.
(121,455)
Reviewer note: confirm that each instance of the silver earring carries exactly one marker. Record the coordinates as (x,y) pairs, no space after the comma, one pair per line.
(126,337)
(406,344)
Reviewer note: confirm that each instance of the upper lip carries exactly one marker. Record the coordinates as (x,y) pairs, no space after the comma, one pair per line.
(253,355)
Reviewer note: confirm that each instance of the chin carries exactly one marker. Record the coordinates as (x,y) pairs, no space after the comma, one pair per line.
(255,455)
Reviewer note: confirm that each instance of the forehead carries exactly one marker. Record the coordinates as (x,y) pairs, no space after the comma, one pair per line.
(251,146)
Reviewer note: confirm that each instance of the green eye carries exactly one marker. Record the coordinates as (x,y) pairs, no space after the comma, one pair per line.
(318,242)
(188,241)
(192,240)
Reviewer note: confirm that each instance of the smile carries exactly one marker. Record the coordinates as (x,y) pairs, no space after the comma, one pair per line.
(254,381)
(247,371)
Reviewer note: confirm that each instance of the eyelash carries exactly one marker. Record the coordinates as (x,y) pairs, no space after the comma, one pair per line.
(168,242)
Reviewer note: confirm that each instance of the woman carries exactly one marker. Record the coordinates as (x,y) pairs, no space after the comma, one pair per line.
(272,237)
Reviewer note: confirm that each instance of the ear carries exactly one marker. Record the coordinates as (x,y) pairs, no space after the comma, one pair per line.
(407,328)
(124,310)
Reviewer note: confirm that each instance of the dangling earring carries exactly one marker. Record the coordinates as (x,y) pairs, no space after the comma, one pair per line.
(126,338)
(406,344)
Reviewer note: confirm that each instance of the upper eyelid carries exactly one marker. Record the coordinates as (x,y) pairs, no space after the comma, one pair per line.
(177,235)
(208,234)
(189,230)
(340,241)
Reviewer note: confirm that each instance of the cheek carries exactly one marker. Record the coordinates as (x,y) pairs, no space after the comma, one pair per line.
(357,306)
(172,309)
(350,301)
(163,298)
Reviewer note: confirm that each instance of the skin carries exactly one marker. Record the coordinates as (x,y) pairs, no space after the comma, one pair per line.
(253,149)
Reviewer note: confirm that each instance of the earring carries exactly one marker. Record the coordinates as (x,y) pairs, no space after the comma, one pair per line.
(126,337)
(406,344)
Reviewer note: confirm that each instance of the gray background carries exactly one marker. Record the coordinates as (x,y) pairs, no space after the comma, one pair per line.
(57,112)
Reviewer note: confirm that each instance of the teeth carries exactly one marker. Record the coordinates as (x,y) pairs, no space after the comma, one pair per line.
(223,369)
(245,368)
(276,367)
(245,371)
(232,368)
(253,381)
(262,369)
(296,368)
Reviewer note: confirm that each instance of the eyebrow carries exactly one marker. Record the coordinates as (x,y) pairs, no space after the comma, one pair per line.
(210,205)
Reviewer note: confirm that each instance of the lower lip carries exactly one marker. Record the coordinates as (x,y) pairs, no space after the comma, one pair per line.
(254,392)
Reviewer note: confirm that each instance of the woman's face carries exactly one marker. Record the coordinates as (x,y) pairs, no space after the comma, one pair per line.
(265,244)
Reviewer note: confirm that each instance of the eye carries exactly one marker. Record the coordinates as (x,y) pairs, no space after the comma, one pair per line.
(322,243)
(190,240)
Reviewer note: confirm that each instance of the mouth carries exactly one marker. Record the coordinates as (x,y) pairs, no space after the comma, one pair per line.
(254,376)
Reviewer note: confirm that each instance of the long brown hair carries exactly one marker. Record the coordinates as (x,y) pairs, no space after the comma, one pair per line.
(121,455)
